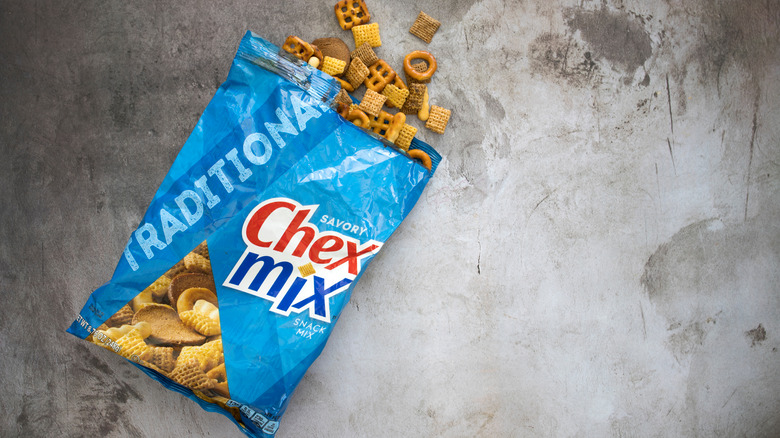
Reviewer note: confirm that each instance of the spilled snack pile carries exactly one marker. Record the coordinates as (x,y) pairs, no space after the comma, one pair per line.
(230,286)
(384,86)
(173,327)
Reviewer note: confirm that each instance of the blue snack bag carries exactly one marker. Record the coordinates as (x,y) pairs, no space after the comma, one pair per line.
(230,286)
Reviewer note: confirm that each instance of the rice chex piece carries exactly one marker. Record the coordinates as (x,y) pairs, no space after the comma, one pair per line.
(356,73)
(343,97)
(414,101)
(437,120)
(372,102)
(333,66)
(365,53)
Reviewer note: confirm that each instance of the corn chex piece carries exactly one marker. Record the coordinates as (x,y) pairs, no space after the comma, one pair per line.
(351,12)
(414,101)
(159,288)
(367,33)
(207,355)
(306,270)
(333,66)
(424,27)
(197,263)
(190,374)
(201,318)
(395,96)
(365,53)
(379,74)
(356,73)
(372,102)
(133,345)
(438,118)
(405,137)
(200,323)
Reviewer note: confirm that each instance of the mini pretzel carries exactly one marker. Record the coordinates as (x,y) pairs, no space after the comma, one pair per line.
(420,67)
(414,74)
(298,47)
(388,125)
(351,13)
(379,75)
(358,117)
(342,108)
(422,156)
(345,85)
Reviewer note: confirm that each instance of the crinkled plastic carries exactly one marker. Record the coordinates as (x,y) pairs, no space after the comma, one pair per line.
(276,205)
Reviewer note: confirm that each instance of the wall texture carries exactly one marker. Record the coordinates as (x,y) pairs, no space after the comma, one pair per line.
(597,255)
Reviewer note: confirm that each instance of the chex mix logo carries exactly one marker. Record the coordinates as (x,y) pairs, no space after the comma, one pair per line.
(289,262)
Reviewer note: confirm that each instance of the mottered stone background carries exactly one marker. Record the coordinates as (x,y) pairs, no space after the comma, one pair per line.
(597,255)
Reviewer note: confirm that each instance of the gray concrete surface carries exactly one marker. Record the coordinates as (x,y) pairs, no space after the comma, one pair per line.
(597,255)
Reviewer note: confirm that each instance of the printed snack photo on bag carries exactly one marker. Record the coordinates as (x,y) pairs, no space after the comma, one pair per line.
(230,286)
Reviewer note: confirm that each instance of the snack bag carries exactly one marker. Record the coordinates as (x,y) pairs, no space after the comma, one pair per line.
(230,286)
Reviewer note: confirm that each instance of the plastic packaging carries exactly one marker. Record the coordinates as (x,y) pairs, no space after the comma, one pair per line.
(230,286)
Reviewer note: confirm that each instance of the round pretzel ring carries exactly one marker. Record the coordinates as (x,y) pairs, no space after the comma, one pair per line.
(422,156)
(414,74)
(358,117)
